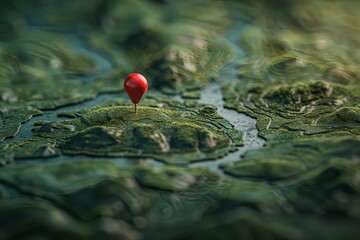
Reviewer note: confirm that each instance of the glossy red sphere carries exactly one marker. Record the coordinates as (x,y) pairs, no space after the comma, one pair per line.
(135,85)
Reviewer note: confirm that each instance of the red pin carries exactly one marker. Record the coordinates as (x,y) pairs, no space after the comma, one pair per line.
(135,85)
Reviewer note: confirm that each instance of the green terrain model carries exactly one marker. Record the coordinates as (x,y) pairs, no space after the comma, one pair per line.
(250,128)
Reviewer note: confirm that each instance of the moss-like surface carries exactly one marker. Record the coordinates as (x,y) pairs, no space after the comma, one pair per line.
(39,74)
(300,80)
(297,109)
(294,78)
(265,168)
(88,171)
(45,69)
(178,51)
(94,198)
(174,135)
(290,158)
(12,117)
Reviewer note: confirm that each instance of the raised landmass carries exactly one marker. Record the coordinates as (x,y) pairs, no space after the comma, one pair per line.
(41,68)
(172,133)
(87,167)
(300,80)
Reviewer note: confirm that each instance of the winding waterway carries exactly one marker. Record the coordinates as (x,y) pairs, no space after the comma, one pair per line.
(210,95)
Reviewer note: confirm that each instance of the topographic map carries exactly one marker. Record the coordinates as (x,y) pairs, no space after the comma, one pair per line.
(250,128)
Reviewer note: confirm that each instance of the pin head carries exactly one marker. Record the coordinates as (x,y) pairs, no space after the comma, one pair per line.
(135,85)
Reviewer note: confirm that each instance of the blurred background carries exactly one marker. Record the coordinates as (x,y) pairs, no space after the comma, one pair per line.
(283,71)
